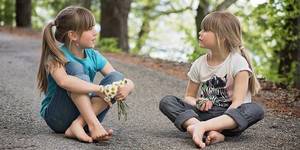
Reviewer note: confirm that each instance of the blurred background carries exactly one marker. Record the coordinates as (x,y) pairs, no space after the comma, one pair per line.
(167,29)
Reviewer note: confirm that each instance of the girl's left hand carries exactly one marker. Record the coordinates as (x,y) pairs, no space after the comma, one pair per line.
(122,93)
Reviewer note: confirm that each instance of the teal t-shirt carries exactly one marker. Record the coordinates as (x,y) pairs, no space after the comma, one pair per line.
(92,63)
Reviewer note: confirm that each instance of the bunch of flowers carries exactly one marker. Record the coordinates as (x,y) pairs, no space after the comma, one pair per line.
(110,91)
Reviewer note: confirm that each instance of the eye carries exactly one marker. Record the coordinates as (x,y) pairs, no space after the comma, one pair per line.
(91,28)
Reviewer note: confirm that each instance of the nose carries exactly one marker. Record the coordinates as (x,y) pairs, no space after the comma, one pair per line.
(200,34)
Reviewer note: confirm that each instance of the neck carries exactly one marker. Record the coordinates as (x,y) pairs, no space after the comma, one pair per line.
(77,51)
(217,56)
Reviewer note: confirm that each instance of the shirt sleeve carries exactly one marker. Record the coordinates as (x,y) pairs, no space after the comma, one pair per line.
(194,72)
(240,64)
(100,60)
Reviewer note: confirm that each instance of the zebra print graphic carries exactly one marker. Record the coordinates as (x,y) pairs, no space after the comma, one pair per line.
(215,90)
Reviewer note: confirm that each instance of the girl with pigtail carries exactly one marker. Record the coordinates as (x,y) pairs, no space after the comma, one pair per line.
(73,104)
(226,80)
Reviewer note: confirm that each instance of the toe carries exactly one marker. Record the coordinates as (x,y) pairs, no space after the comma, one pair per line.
(208,140)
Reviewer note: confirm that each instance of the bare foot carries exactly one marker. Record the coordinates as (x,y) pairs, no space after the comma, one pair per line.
(197,131)
(214,137)
(76,131)
(98,133)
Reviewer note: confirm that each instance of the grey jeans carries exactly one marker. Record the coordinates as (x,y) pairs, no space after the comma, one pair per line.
(178,112)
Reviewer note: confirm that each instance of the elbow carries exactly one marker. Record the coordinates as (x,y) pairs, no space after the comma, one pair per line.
(62,83)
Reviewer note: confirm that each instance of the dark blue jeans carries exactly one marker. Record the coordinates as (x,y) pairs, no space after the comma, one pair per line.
(61,111)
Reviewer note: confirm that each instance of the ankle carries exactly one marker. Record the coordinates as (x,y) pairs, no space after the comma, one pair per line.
(94,125)
(201,126)
(78,122)
(190,122)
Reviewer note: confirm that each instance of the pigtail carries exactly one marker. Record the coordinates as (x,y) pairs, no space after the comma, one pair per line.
(49,49)
(71,18)
(254,85)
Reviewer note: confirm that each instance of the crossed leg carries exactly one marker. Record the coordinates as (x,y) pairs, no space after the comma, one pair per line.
(88,110)
(197,129)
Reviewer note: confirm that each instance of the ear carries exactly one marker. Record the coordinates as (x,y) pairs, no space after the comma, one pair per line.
(72,35)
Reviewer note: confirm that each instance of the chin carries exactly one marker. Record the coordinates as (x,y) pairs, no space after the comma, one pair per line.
(202,46)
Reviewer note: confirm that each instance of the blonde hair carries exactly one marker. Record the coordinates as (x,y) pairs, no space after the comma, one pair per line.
(228,32)
(72,18)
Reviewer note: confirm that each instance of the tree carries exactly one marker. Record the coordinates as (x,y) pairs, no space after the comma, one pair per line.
(23,13)
(114,16)
(148,10)
(278,24)
(7,12)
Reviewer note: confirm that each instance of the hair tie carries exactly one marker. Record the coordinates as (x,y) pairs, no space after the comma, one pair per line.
(242,47)
(52,23)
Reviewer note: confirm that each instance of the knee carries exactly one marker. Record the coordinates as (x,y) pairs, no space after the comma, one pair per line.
(258,111)
(74,68)
(77,70)
(115,76)
(112,77)
(254,110)
(165,102)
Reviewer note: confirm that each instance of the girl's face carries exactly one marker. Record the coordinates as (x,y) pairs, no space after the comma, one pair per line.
(207,39)
(88,38)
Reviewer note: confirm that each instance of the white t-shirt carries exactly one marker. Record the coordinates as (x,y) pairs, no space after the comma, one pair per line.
(216,82)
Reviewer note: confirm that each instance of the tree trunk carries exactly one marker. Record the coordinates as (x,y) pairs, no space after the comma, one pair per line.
(290,53)
(143,33)
(114,15)
(23,13)
(85,3)
(297,74)
(202,11)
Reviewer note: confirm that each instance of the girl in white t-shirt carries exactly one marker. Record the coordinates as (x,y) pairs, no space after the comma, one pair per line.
(226,80)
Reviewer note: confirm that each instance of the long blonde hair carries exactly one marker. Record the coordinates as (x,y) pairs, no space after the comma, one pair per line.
(228,32)
(72,18)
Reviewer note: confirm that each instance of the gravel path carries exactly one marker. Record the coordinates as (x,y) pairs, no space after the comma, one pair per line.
(21,126)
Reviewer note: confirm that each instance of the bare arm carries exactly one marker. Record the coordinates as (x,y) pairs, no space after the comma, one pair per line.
(108,68)
(240,88)
(72,83)
(191,92)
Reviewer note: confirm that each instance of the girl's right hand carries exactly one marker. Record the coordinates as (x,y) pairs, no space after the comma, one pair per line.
(206,106)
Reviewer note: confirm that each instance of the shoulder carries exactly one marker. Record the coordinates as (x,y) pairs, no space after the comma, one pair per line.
(239,63)
(64,49)
(93,53)
(194,72)
(200,60)
(237,58)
